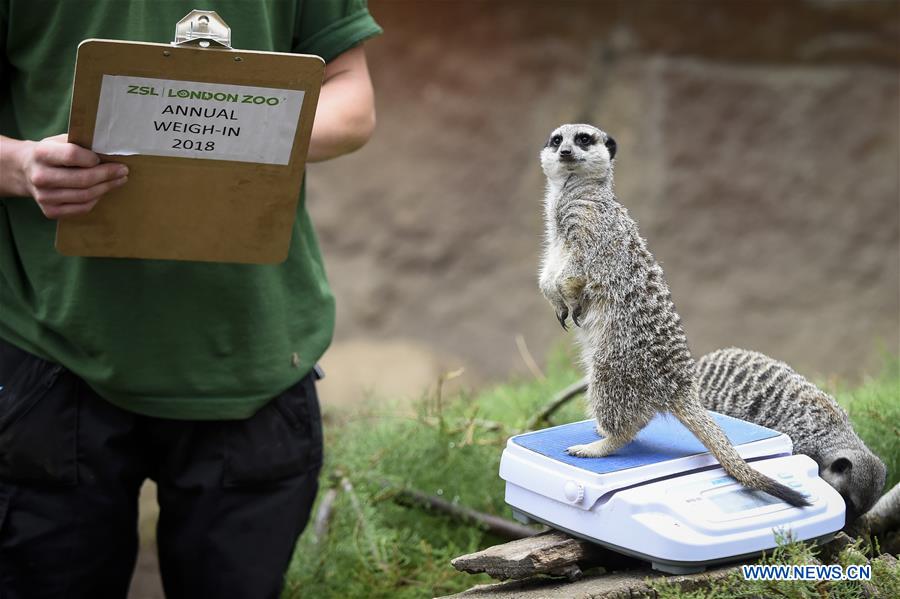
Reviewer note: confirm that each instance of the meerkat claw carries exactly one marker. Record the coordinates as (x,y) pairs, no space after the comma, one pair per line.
(579,451)
(561,317)
(576,315)
(597,449)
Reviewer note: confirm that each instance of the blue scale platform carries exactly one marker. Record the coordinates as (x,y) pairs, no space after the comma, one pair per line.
(663,439)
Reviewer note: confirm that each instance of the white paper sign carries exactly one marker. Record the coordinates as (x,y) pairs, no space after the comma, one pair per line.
(159,117)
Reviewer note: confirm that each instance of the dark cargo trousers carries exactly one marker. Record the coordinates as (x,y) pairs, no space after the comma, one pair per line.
(234,495)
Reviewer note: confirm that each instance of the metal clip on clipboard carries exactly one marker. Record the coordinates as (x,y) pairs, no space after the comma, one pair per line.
(203,28)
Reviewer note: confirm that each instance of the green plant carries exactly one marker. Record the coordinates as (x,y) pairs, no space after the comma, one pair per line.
(450,447)
(885,581)
(874,409)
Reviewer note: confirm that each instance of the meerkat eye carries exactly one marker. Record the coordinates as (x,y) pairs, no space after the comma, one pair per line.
(555,140)
(584,139)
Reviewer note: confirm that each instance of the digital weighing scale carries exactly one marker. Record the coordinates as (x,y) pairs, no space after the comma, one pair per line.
(663,497)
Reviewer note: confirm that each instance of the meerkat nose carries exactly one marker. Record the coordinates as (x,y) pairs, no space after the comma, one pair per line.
(565,152)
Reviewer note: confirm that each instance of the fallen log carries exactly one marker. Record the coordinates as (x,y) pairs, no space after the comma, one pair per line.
(550,553)
(620,585)
(553,553)
(884,516)
(501,527)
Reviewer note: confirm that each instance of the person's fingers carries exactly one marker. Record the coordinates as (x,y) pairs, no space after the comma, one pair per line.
(58,197)
(58,152)
(76,178)
(64,210)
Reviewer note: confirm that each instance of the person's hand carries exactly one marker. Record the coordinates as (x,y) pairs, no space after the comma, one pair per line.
(66,179)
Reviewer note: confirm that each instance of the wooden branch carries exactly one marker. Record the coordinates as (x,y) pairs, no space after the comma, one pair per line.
(361,519)
(884,515)
(460,423)
(573,390)
(323,515)
(495,525)
(529,360)
(553,553)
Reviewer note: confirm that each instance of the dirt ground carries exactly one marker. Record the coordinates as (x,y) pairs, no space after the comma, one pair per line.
(759,154)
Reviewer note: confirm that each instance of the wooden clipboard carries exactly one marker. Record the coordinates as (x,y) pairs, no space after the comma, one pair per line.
(189,208)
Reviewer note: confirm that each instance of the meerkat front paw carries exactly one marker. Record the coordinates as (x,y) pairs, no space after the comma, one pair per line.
(597,449)
(571,289)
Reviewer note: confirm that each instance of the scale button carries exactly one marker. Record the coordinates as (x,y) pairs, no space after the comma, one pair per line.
(795,484)
(785,475)
(574,491)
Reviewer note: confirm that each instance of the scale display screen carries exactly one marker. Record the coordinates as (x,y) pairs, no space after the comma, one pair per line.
(740,500)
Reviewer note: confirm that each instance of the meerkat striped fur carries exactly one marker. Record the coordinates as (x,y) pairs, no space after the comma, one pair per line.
(752,386)
(597,270)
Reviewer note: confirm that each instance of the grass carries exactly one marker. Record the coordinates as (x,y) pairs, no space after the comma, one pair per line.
(450,447)
(885,581)
(874,409)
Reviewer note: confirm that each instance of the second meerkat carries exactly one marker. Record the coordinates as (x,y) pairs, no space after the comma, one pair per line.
(597,269)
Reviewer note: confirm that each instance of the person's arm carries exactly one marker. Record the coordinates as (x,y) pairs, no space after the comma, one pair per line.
(64,179)
(345,116)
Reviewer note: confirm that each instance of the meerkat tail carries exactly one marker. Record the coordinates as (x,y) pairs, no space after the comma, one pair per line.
(699,422)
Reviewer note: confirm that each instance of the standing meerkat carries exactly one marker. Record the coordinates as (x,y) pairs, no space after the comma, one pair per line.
(597,269)
(750,385)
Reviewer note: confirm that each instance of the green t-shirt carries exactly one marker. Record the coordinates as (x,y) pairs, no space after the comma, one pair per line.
(172,339)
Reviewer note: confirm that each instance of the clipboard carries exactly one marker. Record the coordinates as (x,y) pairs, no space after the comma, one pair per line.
(175,114)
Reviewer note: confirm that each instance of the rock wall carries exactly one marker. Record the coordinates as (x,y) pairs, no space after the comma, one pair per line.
(759,150)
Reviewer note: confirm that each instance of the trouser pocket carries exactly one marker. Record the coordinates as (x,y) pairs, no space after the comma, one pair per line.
(281,440)
(38,419)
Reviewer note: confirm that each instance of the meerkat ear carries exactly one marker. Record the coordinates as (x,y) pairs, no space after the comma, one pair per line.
(611,146)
